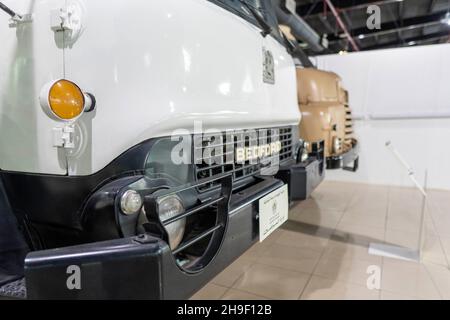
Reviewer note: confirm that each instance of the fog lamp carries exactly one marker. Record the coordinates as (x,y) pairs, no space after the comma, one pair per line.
(168,208)
(131,202)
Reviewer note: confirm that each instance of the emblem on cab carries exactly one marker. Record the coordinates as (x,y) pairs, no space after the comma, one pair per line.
(268,67)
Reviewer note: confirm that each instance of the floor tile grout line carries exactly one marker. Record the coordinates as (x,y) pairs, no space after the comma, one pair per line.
(347,206)
(312,273)
(252,293)
(430,215)
(283,268)
(387,213)
(434,282)
(347,283)
(401,294)
(342,281)
(223,294)
(250,266)
(244,291)
(321,255)
(252,263)
(275,267)
(240,276)
(293,247)
(324,249)
(343,214)
(436,287)
(305,286)
(382,275)
(384,237)
(211,283)
(385,227)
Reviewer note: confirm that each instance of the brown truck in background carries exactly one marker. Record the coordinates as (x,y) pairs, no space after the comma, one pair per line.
(326,115)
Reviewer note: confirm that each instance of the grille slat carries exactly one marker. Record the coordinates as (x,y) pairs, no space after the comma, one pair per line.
(212,164)
(348,127)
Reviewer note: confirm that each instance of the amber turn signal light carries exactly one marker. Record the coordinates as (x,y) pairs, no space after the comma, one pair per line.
(64,100)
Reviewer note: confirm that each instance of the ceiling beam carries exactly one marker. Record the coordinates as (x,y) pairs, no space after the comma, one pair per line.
(327,25)
(430,9)
(312,7)
(425,41)
(410,41)
(400,12)
(431,5)
(342,24)
(311,10)
(398,19)
(392,26)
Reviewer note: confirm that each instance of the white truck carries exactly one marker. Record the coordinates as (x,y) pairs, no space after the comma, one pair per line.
(144,145)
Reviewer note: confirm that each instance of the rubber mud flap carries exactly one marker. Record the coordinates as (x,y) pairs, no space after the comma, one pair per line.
(13,248)
(14,290)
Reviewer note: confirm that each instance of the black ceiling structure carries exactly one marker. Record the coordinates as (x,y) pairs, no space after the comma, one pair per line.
(403,23)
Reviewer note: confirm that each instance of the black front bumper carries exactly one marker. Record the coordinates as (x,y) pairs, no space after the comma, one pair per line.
(141,267)
(129,267)
(304,177)
(348,161)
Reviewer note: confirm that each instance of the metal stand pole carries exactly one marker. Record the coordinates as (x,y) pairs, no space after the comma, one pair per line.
(422,218)
(398,252)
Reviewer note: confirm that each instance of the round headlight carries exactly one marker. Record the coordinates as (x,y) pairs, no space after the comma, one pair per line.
(304,156)
(337,144)
(303,151)
(170,207)
(130,202)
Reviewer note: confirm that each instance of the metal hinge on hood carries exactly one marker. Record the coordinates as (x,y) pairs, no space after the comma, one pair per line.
(64,137)
(16,18)
(67,20)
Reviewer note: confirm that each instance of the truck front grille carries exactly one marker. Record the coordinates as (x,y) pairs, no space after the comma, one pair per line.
(349,137)
(215,153)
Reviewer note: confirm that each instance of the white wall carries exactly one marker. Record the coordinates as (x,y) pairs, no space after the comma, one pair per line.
(419,131)
(424,143)
(404,82)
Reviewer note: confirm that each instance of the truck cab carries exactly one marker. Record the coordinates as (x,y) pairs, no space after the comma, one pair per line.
(326,115)
(140,157)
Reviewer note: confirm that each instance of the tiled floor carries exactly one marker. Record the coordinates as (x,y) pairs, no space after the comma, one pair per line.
(322,251)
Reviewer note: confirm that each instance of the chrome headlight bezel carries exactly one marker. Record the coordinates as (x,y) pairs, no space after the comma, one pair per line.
(175,230)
